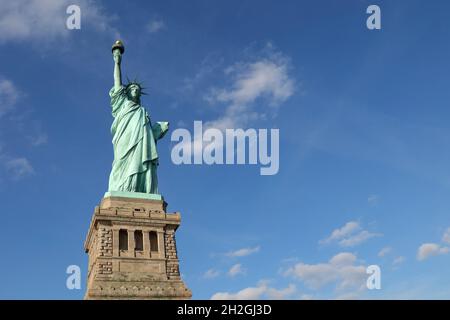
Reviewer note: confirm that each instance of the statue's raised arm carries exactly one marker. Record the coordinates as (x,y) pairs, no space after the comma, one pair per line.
(117,50)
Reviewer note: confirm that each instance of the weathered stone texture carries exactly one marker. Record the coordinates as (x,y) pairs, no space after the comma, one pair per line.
(138,272)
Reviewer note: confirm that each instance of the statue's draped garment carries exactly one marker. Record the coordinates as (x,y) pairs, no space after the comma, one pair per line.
(134,141)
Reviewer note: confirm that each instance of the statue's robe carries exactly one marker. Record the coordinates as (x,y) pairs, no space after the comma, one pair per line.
(134,141)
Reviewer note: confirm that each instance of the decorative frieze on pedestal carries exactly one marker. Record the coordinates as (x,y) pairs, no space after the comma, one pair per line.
(132,251)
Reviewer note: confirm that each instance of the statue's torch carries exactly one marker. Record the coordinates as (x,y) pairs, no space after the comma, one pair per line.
(118,45)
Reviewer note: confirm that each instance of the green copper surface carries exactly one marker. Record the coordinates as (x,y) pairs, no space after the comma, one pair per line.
(134,138)
(134,195)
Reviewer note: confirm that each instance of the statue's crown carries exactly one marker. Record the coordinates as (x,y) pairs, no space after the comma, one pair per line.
(135,83)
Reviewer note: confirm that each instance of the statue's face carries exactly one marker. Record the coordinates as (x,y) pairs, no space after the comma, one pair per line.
(134,92)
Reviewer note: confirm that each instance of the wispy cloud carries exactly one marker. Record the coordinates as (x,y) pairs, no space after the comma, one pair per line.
(209,66)
(383,252)
(446,236)
(254,90)
(211,274)
(40,21)
(39,139)
(351,234)
(236,270)
(398,260)
(358,238)
(265,79)
(156,25)
(430,249)
(342,232)
(427,250)
(243,252)
(9,94)
(262,290)
(373,199)
(342,270)
(18,168)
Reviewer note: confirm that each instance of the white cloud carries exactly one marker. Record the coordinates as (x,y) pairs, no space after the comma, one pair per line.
(262,290)
(315,276)
(373,199)
(45,20)
(341,270)
(383,252)
(340,233)
(29,128)
(280,294)
(251,293)
(358,238)
(343,259)
(349,235)
(266,80)
(352,277)
(446,236)
(211,273)
(155,26)
(18,167)
(236,270)
(9,95)
(398,260)
(40,138)
(243,252)
(427,250)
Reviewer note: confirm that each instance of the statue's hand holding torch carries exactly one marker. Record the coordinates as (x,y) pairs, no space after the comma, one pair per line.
(118,49)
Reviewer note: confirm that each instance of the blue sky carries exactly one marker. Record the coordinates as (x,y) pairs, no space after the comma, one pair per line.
(364,142)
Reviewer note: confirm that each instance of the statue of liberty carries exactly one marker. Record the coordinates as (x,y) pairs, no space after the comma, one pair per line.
(134,136)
